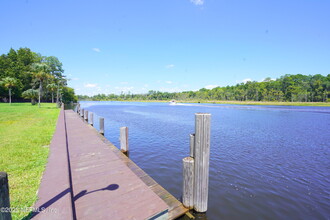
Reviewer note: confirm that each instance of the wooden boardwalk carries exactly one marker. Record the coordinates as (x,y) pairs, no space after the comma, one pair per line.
(87,177)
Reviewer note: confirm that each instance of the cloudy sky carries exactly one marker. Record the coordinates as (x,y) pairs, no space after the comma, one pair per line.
(174,45)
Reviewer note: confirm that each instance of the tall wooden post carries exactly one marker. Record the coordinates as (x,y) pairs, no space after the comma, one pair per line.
(102,126)
(124,140)
(202,160)
(82,113)
(188,182)
(91,119)
(5,213)
(86,115)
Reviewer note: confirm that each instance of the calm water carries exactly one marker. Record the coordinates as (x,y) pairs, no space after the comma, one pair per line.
(267,162)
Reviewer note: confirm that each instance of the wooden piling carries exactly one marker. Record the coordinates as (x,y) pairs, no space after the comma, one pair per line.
(5,213)
(124,140)
(192,145)
(188,182)
(202,160)
(82,112)
(86,116)
(101,126)
(91,119)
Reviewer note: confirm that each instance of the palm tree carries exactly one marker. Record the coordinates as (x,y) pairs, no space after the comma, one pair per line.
(60,83)
(52,88)
(31,94)
(9,83)
(41,73)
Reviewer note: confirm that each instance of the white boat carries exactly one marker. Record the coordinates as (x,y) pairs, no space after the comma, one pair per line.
(172,102)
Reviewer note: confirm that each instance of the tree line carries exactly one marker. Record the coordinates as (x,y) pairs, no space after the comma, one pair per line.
(287,88)
(25,74)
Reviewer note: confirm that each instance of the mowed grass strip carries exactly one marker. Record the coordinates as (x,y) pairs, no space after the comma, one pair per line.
(25,135)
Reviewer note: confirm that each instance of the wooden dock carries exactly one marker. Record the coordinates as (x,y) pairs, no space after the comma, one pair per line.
(87,177)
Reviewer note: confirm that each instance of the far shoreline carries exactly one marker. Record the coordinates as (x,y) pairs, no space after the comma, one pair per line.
(315,104)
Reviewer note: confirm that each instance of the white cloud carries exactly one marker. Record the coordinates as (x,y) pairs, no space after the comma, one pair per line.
(75,78)
(169,66)
(168,82)
(90,85)
(197,2)
(211,86)
(96,50)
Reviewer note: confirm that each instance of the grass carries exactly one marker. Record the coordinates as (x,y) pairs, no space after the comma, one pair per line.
(25,134)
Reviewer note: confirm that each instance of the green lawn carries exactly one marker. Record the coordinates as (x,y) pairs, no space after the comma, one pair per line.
(25,134)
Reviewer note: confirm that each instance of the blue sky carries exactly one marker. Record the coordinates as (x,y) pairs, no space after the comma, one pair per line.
(174,45)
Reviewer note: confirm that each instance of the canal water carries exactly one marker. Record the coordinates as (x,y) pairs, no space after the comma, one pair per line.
(267,162)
